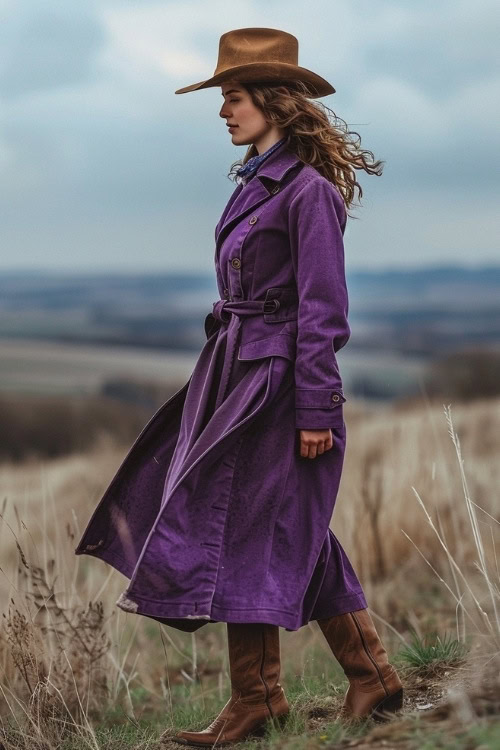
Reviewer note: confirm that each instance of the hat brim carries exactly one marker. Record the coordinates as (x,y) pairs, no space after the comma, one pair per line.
(266,72)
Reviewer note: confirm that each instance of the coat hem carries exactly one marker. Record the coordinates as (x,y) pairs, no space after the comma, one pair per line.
(215,613)
(339,605)
(342,604)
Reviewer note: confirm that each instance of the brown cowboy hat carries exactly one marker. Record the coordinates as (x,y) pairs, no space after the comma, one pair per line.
(259,54)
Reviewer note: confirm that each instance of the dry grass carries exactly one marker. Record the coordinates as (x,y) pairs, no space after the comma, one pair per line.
(419,522)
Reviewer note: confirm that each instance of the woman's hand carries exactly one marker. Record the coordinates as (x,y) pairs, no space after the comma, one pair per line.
(315,442)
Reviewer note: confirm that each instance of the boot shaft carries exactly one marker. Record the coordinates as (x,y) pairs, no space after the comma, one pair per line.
(355,644)
(256,694)
(374,684)
(254,661)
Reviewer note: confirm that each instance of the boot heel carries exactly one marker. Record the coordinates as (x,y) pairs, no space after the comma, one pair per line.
(389,705)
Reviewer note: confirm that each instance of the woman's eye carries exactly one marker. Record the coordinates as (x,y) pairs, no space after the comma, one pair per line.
(234,100)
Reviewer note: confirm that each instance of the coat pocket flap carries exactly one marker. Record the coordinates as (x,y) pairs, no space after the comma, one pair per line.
(318,398)
(280,345)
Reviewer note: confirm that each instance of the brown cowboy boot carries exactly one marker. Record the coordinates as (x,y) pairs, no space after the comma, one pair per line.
(256,694)
(375,689)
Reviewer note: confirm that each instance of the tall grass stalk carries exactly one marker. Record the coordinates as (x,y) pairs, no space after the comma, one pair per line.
(492,627)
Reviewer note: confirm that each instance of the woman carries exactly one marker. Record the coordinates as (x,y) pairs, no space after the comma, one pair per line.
(220,512)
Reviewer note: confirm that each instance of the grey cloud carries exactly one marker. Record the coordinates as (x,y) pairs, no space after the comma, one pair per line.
(98,158)
(47,47)
(438,57)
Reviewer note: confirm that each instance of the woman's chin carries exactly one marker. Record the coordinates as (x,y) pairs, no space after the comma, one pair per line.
(238,139)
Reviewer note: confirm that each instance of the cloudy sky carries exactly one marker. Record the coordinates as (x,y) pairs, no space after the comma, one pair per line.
(103,167)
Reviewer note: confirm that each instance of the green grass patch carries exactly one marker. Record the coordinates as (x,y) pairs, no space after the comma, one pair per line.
(432,650)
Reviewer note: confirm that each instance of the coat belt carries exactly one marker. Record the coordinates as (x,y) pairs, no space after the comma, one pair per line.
(223,308)
(230,313)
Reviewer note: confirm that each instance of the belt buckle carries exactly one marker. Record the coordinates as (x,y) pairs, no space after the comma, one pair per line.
(274,302)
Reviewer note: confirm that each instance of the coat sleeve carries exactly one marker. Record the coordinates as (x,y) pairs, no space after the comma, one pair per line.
(316,241)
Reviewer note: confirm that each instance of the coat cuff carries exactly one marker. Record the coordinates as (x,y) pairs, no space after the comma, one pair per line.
(319,408)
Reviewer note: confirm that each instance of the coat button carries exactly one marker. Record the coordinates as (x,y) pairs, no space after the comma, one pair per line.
(335,397)
(252,220)
(275,190)
(236,263)
(226,293)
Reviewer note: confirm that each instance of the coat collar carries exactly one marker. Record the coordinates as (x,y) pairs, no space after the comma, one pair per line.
(260,188)
(276,166)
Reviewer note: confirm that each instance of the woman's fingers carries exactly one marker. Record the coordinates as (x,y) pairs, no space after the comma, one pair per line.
(315,442)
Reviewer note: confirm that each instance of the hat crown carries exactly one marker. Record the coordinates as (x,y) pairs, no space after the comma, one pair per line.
(256,45)
(261,54)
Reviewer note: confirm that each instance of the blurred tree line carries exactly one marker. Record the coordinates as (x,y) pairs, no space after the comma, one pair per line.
(41,426)
(465,375)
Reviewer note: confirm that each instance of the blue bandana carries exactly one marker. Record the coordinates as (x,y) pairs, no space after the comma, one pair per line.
(244,172)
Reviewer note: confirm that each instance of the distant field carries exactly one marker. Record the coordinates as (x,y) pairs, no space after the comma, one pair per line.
(32,365)
(417,312)
(52,367)
(63,333)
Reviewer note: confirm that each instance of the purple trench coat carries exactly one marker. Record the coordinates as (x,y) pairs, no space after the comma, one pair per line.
(214,515)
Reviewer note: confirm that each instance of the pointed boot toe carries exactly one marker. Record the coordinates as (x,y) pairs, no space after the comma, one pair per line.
(236,722)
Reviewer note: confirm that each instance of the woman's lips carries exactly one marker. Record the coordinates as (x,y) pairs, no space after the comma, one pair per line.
(233,128)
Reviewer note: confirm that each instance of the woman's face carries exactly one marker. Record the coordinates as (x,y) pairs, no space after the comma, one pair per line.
(249,124)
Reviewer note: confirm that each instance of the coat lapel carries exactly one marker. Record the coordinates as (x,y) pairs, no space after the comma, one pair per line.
(258,191)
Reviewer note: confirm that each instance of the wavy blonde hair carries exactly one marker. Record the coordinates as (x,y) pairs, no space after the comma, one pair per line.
(327,145)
